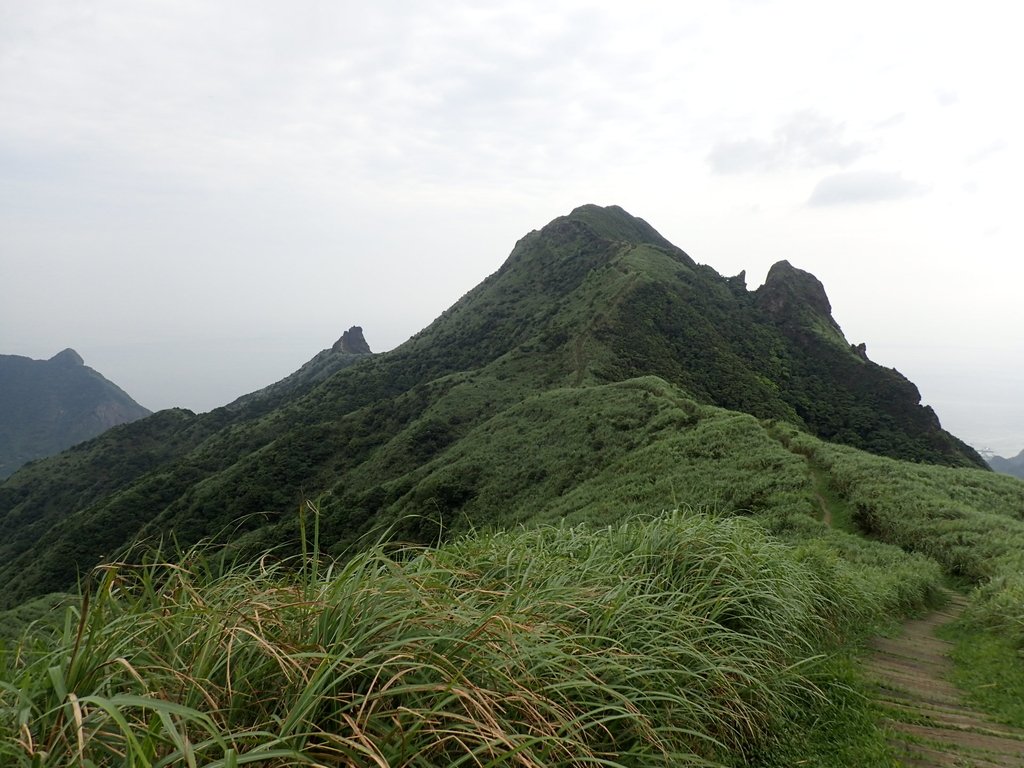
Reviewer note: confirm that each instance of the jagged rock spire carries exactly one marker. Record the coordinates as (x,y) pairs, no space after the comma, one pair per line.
(352,342)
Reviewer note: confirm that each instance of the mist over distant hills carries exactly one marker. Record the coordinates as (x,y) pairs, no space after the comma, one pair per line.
(47,406)
(1014,466)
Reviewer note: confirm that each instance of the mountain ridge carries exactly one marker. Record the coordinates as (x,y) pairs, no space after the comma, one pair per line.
(49,405)
(350,347)
(591,302)
(1008,466)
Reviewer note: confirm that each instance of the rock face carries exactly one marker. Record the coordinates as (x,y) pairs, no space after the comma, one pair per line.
(49,405)
(789,292)
(352,342)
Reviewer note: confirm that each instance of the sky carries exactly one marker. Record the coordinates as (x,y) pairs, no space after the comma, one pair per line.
(199,196)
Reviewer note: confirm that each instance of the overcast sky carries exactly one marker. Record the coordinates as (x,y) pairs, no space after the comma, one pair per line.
(199,195)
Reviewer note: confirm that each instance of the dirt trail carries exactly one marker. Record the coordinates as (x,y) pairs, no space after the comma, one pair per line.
(931,725)
(826,510)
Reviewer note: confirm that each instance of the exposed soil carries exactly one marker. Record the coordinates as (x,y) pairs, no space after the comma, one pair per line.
(931,725)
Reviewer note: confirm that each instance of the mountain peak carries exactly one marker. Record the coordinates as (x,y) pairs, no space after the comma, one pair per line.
(346,351)
(614,223)
(67,357)
(352,342)
(587,238)
(788,290)
(589,306)
(47,406)
(1014,466)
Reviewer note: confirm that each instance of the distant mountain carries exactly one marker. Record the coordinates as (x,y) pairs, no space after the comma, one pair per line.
(348,349)
(47,406)
(1014,466)
(558,367)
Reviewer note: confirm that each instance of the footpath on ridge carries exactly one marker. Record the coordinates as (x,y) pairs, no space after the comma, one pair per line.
(931,725)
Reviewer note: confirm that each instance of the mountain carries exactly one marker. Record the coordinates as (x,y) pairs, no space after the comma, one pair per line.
(595,341)
(349,348)
(1014,466)
(49,405)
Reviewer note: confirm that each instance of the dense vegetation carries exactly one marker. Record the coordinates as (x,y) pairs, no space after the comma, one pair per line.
(702,636)
(684,639)
(594,299)
(588,517)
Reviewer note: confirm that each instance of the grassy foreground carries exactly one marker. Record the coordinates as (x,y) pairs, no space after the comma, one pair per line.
(682,640)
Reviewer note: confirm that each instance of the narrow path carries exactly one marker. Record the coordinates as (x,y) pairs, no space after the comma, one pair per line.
(826,510)
(580,359)
(931,725)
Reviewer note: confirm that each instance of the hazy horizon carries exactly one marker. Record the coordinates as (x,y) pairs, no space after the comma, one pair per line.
(199,198)
(245,366)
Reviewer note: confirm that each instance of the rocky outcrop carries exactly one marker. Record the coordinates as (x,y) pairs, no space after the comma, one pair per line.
(789,292)
(352,342)
(348,350)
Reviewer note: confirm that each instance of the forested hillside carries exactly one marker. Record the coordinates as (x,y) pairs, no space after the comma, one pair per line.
(579,310)
(684,588)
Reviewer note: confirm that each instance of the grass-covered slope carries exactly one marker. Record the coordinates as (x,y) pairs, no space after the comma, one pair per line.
(970,522)
(683,639)
(613,635)
(595,299)
(695,637)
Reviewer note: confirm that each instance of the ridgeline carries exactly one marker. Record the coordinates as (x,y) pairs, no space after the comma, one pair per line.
(580,309)
(609,508)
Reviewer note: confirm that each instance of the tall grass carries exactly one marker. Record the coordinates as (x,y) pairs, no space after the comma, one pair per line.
(969,521)
(681,640)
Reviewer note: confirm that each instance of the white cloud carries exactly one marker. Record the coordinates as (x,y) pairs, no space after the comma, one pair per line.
(806,140)
(986,151)
(863,187)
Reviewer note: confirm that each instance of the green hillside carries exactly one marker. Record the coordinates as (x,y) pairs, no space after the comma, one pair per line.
(610,508)
(595,299)
(602,630)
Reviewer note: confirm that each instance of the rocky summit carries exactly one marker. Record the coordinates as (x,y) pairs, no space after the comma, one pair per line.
(352,342)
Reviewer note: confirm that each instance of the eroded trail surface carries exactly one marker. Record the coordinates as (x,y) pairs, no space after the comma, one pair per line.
(931,724)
